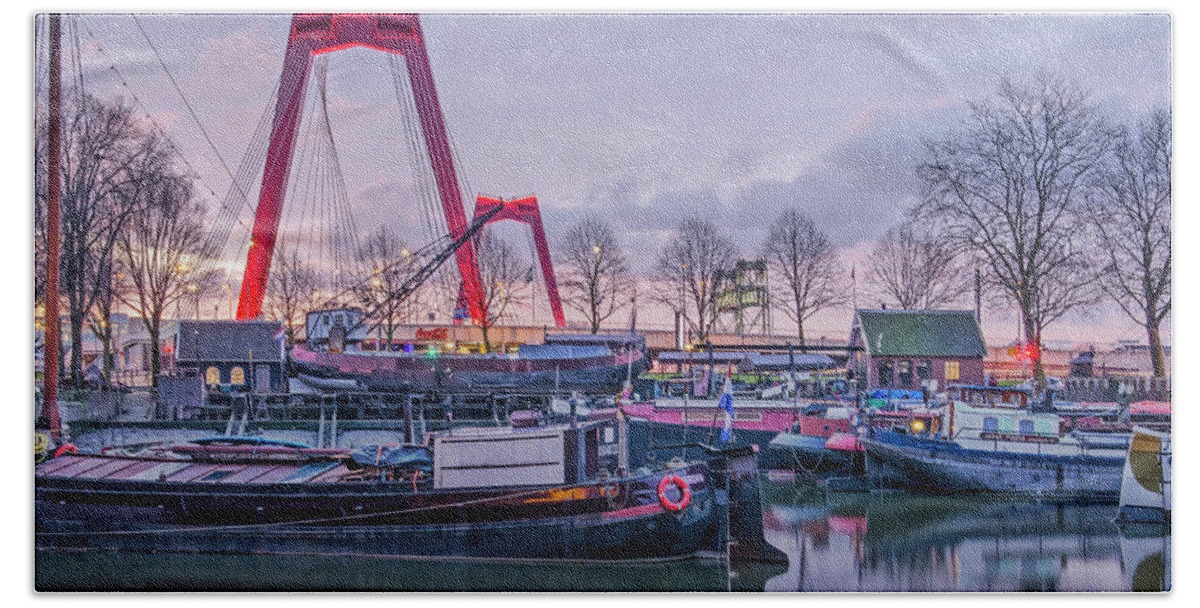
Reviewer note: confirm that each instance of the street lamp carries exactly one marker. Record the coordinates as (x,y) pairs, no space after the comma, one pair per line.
(194,289)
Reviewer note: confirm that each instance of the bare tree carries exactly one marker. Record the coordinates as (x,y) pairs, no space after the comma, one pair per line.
(916,269)
(502,273)
(161,251)
(1131,211)
(105,152)
(808,266)
(690,262)
(294,290)
(390,263)
(596,274)
(100,319)
(1009,188)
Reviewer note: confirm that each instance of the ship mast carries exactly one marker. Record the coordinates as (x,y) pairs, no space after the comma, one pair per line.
(49,419)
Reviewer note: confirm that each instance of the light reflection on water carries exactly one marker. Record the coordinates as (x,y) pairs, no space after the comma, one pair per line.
(851,543)
(895,542)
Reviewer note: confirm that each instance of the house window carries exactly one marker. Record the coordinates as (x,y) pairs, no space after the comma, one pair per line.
(212,375)
(951,370)
(904,371)
(924,370)
(237,375)
(885,374)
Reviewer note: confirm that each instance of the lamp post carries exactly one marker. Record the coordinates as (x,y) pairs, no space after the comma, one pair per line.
(229,294)
(194,289)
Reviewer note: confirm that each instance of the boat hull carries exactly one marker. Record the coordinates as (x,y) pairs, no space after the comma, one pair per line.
(647,440)
(467,373)
(1146,479)
(940,467)
(582,522)
(809,455)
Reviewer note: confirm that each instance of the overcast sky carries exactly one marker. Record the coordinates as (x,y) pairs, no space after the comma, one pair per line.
(643,119)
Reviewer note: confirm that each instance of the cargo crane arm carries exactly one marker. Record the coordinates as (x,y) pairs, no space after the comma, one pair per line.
(418,278)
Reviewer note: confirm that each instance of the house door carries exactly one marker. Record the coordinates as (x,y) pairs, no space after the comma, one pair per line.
(262,378)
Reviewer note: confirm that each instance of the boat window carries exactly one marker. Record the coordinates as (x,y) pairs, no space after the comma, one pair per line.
(212,375)
(591,453)
(990,425)
(216,476)
(1026,427)
(237,375)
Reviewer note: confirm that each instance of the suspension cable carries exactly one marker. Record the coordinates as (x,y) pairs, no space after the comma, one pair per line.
(186,104)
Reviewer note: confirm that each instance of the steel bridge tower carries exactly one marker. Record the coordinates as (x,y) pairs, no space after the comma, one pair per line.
(314,34)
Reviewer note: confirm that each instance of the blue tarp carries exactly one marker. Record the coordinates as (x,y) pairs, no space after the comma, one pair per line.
(403,456)
(561,351)
(894,394)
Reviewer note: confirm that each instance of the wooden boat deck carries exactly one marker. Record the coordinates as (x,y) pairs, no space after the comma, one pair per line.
(129,469)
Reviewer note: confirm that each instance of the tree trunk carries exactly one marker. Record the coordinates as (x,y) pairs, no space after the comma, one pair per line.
(1157,361)
(799,332)
(487,345)
(108,357)
(1033,336)
(155,353)
(76,348)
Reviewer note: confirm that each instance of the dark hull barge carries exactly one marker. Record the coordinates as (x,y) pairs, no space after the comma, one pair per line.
(536,369)
(536,493)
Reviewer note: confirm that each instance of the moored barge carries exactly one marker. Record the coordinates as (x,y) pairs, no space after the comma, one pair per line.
(535,492)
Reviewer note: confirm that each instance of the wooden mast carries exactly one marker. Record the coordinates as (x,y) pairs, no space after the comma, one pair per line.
(48,419)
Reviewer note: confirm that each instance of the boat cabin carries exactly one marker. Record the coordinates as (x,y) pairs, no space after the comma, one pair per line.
(525,454)
(335,329)
(991,396)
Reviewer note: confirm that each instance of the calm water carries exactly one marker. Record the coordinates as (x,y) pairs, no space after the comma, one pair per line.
(855,543)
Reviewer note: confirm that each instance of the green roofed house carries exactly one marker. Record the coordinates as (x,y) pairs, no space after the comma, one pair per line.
(908,349)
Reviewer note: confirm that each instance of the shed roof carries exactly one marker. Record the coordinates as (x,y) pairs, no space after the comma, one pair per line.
(722,357)
(800,361)
(229,341)
(920,333)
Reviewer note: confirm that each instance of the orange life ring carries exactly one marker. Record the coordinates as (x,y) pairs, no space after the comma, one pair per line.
(685,492)
(66,448)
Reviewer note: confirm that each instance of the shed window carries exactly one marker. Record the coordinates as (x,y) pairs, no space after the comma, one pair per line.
(952,370)
(904,371)
(237,375)
(212,375)
(885,374)
(925,370)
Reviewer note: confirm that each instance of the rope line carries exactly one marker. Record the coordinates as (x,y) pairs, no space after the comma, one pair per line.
(186,103)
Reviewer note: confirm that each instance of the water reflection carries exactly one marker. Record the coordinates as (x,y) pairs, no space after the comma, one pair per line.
(851,543)
(895,542)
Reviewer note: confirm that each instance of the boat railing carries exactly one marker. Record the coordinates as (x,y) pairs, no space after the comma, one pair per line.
(1038,440)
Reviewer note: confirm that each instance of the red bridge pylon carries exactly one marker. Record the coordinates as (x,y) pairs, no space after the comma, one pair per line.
(311,35)
(525,211)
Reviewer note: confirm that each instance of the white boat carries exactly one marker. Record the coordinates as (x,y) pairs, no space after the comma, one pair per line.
(1006,448)
(1146,483)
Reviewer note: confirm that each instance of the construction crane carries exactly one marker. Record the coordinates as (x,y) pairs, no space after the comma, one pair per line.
(418,278)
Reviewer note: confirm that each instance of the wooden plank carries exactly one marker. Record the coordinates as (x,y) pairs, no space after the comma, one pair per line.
(191,472)
(82,465)
(107,469)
